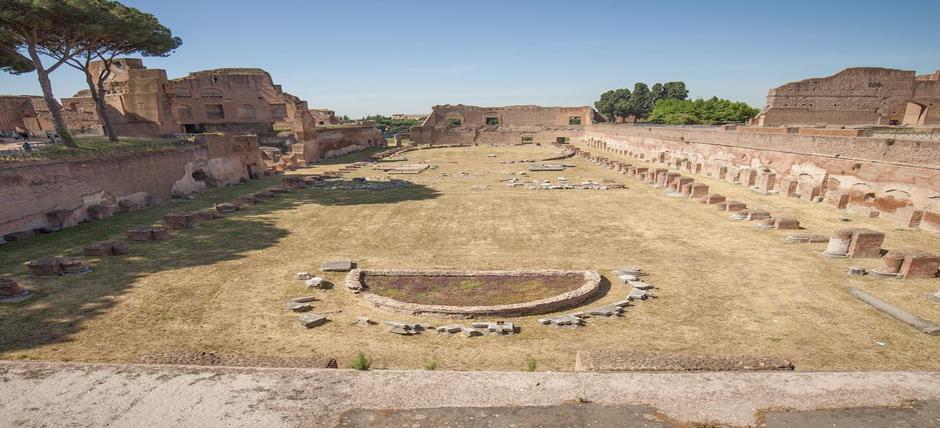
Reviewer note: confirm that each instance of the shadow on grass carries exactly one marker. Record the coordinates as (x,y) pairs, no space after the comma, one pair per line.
(352,157)
(62,305)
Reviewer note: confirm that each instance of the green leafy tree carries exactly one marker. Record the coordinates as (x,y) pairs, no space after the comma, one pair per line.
(605,105)
(12,61)
(109,30)
(390,127)
(674,90)
(713,111)
(31,29)
(640,102)
(622,103)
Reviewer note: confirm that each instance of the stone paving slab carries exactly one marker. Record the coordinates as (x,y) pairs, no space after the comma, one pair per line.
(914,415)
(563,416)
(129,395)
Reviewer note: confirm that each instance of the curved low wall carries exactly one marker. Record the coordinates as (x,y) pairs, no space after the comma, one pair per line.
(592,285)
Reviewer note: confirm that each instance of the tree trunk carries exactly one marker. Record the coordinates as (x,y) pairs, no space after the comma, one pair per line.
(54,108)
(97,94)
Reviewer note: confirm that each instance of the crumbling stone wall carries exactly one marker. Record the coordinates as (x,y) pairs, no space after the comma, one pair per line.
(893,178)
(30,192)
(324,117)
(143,102)
(856,96)
(336,141)
(460,124)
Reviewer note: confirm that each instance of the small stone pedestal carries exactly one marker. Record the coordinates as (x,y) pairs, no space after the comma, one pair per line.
(890,265)
(179,221)
(47,266)
(104,249)
(919,265)
(787,223)
(147,234)
(11,292)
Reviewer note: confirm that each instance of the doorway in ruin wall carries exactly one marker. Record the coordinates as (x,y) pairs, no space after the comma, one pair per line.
(914,114)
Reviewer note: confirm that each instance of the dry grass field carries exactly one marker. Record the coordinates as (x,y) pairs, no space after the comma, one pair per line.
(724,287)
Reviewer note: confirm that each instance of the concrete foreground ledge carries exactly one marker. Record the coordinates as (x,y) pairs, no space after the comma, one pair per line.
(129,395)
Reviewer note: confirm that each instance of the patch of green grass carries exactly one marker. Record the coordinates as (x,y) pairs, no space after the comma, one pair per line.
(95,147)
(430,364)
(361,362)
(470,284)
(531,364)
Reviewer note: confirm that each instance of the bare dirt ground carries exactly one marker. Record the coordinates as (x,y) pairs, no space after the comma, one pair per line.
(723,286)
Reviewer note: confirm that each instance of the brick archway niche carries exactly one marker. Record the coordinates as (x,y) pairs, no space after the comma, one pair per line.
(357,279)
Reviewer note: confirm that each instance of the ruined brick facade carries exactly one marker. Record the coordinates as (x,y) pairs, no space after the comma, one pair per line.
(143,102)
(892,178)
(460,124)
(32,192)
(856,96)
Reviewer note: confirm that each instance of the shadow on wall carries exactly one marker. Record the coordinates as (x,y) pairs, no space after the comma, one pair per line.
(62,305)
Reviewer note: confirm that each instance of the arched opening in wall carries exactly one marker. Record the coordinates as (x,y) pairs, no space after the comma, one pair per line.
(914,114)
(892,199)
(183,93)
(247,111)
(861,192)
(833,184)
(933,204)
(454,119)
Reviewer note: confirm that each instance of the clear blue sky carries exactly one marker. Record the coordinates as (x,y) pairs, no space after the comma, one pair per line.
(363,57)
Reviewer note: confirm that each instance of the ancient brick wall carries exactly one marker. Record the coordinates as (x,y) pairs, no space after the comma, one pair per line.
(880,175)
(855,96)
(460,124)
(30,191)
(336,141)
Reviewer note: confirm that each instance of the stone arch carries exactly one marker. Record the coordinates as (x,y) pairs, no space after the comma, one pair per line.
(210,93)
(247,111)
(892,199)
(833,183)
(861,192)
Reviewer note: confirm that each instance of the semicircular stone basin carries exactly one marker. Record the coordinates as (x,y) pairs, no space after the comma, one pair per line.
(474,293)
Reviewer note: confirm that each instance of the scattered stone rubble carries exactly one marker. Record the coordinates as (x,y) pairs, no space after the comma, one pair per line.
(150,233)
(562,185)
(337,266)
(104,249)
(11,292)
(497,328)
(52,266)
(627,275)
(311,320)
(364,184)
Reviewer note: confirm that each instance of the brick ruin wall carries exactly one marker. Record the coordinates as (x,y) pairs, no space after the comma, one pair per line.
(334,142)
(896,179)
(31,191)
(856,96)
(460,124)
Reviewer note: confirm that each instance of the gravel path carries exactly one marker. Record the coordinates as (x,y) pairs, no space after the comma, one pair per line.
(127,395)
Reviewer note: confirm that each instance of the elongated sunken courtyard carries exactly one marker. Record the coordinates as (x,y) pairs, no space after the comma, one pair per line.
(713,286)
